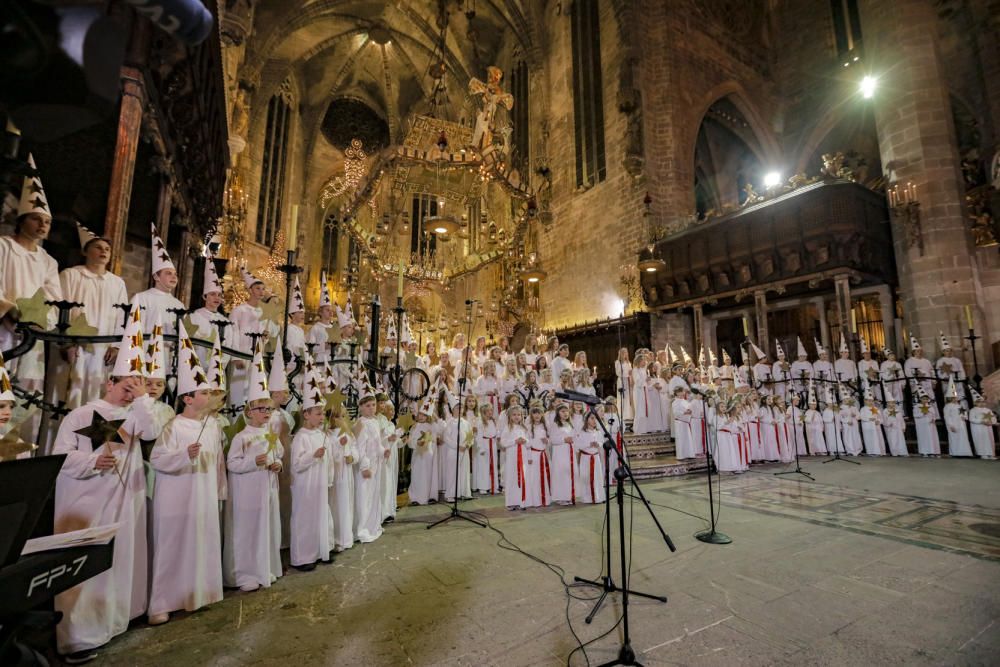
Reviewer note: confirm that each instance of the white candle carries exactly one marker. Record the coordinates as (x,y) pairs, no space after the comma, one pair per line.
(293,228)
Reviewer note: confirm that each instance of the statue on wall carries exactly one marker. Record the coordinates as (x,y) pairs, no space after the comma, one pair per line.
(492,97)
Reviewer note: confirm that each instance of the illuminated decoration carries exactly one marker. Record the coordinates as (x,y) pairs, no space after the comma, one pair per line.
(354,171)
(649,262)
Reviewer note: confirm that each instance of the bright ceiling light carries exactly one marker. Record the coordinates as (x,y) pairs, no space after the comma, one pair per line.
(868,87)
(772,179)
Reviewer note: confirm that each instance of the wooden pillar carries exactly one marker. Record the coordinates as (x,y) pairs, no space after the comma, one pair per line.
(760,313)
(126,144)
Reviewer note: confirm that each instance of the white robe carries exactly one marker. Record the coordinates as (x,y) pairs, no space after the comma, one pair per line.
(768,434)
(982,420)
(455,443)
(591,480)
(485,478)
(728,455)
(22,273)
(100,608)
(187,568)
(895,430)
(623,392)
(389,473)
(99,294)
(564,463)
(341,496)
(246,319)
(850,432)
(207,329)
(252,550)
(514,465)
(892,379)
(795,421)
(423,464)
(537,474)
(958,433)
(683,434)
(312,522)
(367,501)
(925,421)
(871,430)
(815,426)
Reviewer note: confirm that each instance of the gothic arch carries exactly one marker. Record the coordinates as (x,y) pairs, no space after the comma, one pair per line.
(768,149)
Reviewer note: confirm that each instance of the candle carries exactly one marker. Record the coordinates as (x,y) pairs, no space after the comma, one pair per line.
(854,320)
(746,328)
(399,286)
(293,228)
(968,316)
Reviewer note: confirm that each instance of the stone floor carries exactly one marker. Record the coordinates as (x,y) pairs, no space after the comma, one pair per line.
(891,562)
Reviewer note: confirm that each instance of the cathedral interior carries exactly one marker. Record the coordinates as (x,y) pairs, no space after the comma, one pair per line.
(673,174)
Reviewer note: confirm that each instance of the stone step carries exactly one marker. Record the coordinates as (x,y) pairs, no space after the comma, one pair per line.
(665,466)
(648,445)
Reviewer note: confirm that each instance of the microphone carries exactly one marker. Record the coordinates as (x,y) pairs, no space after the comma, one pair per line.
(577,397)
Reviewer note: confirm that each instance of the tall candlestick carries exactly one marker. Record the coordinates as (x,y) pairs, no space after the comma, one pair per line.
(746,327)
(399,285)
(854,321)
(293,229)
(968,316)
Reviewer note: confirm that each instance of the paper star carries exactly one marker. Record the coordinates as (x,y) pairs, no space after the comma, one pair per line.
(336,399)
(135,364)
(230,431)
(78,326)
(158,243)
(405,421)
(271,311)
(192,361)
(34,310)
(35,187)
(11,444)
(272,441)
(164,257)
(101,430)
(199,377)
(38,202)
(135,340)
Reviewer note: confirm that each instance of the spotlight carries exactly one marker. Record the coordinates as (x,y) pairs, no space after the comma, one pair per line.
(868,87)
(772,179)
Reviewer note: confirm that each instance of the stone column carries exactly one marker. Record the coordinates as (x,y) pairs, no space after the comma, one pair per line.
(698,322)
(917,144)
(760,313)
(842,297)
(126,144)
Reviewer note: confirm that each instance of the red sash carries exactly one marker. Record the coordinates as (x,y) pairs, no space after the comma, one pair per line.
(572,475)
(593,498)
(704,436)
(492,471)
(520,470)
(544,475)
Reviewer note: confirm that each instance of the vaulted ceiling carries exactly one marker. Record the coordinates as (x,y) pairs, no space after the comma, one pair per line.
(380,52)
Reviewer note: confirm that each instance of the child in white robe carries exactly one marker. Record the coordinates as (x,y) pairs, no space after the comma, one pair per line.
(514,441)
(485,478)
(768,430)
(728,454)
(895,428)
(681,429)
(795,419)
(982,420)
(850,430)
(815,428)
(392,441)
(871,428)
(252,547)
(590,442)
(563,459)
(831,430)
(312,522)
(190,481)
(343,462)
(786,453)
(372,454)
(456,441)
(423,465)
(925,421)
(536,472)
(958,432)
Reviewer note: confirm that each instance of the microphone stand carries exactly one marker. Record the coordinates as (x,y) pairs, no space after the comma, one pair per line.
(711,536)
(455,512)
(626,654)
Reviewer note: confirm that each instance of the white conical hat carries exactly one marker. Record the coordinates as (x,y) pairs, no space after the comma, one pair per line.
(711,357)
(366,391)
(427,408)
(131,359)
(842,392)
(819,347)
(869,395)
(812,393)
(312,388)
(257,378)
(161,260)
(249,279)
(86,236)
(701,356)
(329,377)
(295,303)
(685,356)
(738,382)
(324,291)
(156,354)
(390,331)
(800,349)
(407,333)
(211,283)
(831,398)
(945,344)
(32,195)
(278,378)
(190,375)
(976,396)
(921,394)
(952,389)
(843,344)
(726,359)
(757,351)
(778,349)
(6,389)
(914,343)
(744,356)
(349,308)
(864,344)
(216,371)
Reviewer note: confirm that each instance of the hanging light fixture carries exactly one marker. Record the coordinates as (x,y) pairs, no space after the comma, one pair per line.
(442,225)
(533,272)
(649,262)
